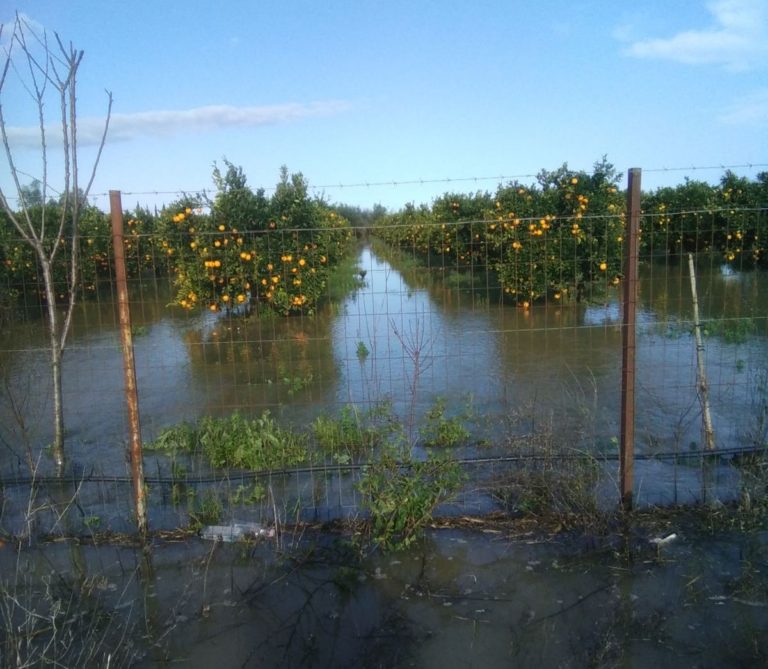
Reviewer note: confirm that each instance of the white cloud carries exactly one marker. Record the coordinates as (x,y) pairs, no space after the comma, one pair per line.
(27,23)
(166,123)
(737,40)
(749,110)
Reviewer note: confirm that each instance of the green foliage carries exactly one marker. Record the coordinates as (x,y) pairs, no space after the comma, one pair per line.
(731,330)
(295,383)
(250,249)
(562,237)
(205,511)
(18,263)
(551,240)
(400,496)
(249,494)
(362,351)
(256,444)
(539,241)
(441,430)
(351,434)
(181,438)
(696,217)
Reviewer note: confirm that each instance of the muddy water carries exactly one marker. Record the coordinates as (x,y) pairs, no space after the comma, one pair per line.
(481,598)
(407,337)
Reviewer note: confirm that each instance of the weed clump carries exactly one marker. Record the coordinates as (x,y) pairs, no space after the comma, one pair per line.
(353,433)
(442,430)
(400,495)
(554,481)
(256,444)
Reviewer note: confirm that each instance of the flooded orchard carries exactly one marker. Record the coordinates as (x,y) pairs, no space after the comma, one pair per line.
(405,337)
(488,595)
(673,588)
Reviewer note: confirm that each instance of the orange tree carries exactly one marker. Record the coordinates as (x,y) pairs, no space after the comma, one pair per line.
(742,220)
(546,240)
(678,220)
(249,249)
(94,253)
(18,272)
(729,220)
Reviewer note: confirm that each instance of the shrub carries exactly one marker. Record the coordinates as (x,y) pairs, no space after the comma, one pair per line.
(256,444)
(400,496)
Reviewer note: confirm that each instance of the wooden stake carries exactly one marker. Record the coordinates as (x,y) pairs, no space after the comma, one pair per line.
(703,388)
(129,367)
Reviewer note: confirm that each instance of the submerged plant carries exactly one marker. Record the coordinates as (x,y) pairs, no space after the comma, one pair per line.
(205,511)
(255,443)
(353,433)
(401,495)
(441,430)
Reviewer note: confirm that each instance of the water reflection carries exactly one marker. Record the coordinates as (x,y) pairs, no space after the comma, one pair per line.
(405,336)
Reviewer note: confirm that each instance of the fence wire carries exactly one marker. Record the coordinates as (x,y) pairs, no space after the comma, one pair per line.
(481,327)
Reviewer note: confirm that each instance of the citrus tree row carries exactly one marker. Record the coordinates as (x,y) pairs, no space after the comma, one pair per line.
(553,239)
(19,276)
(239,249)
(248,248)
(539,241)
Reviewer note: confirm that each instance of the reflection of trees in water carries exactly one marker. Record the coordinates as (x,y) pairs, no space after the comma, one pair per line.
(723,293)
(261,361)
(322,608)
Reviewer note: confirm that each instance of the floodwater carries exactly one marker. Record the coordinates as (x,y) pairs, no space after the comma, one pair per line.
(407,337)
(486,597)
(489,596)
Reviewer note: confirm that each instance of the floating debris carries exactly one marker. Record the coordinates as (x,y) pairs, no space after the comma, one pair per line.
(235,532)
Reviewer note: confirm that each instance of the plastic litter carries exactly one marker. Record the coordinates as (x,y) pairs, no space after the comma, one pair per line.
(235,532)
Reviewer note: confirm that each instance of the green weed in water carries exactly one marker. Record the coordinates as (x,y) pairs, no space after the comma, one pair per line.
(207,511)
(731,330)
(441,430)
(401,495)
(249,494)
(353,433)
(256,444)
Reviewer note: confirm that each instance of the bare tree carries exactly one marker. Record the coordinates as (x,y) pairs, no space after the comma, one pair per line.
(49,71)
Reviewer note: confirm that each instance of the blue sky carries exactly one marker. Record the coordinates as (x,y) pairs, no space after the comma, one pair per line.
(350,92)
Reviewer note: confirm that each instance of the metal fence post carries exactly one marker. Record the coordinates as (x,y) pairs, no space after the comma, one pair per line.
(629,309)
(129,367)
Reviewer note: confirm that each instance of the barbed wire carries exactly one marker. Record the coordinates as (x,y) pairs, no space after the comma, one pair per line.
(396,183)
(92,476)
(447,180)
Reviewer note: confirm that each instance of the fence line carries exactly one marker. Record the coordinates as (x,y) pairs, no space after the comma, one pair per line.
(521,311)
(246,475)
(393,183)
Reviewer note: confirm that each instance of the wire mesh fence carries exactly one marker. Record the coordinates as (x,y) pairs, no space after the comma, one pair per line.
(481,327)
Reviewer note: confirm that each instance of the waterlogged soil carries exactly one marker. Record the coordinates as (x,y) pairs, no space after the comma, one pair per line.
(476,594)
(470,594)
(407,336)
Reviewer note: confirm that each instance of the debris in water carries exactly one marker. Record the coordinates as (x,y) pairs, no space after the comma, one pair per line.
(235,532)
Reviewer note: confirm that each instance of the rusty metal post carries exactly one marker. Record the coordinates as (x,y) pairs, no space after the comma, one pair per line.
(628,349)
(129,367)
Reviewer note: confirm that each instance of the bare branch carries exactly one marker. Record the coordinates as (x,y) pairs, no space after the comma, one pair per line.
(53,71)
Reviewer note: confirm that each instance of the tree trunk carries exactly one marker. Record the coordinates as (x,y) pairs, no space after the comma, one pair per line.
(57,447)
